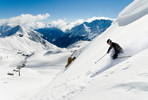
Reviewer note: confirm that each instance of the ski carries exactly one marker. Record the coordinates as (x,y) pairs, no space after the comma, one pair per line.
(124,57)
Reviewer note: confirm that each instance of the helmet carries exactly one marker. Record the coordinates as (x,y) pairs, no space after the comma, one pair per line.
(109,41)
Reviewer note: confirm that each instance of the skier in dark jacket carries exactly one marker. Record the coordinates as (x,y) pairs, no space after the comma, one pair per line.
(116,47)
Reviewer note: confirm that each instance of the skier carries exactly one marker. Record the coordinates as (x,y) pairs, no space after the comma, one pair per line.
(70,59)
(116,47)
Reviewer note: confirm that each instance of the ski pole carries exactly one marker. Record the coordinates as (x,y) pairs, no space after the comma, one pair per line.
(100,58)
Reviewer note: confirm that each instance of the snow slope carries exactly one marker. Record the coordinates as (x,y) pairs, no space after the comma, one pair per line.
(124,79)
(15,43)
(37,73)
(79,44)
(41,67)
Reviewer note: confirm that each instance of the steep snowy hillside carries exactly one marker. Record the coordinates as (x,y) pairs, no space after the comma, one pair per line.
(21,38)
(121,79)
(79,44)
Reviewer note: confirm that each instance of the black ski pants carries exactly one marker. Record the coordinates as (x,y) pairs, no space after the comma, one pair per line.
(115,55)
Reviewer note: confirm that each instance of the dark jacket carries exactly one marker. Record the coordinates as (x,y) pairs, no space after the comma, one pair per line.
(116,47)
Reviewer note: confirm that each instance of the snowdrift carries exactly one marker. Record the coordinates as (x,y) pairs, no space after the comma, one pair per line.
(124,79)
(133,12)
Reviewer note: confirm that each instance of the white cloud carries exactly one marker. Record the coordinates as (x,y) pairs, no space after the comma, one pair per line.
(59,23)
(2,21)
(26,20)
(63,25)
(99,18)
(29,20)
(72,24)
(40,25)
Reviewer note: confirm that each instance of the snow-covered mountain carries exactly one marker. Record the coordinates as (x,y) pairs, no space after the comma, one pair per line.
(91,29)
(66,40)
(85,31)
(17,45)
(21,38)
(121,79)
(50,34)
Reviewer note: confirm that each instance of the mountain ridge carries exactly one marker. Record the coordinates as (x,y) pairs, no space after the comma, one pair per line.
(86,31)
(21,37)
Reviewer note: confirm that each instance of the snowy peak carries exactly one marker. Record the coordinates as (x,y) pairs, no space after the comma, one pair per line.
(92,29)
(4,28)
(22,38)
(8,31)
(81,30)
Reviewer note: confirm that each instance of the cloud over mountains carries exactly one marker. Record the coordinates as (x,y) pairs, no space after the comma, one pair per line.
(28,20)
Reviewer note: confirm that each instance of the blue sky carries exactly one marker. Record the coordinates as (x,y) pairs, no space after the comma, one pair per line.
(71,10)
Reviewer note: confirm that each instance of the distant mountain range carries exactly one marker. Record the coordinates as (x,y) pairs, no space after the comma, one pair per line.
(85,31)
(48,36)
